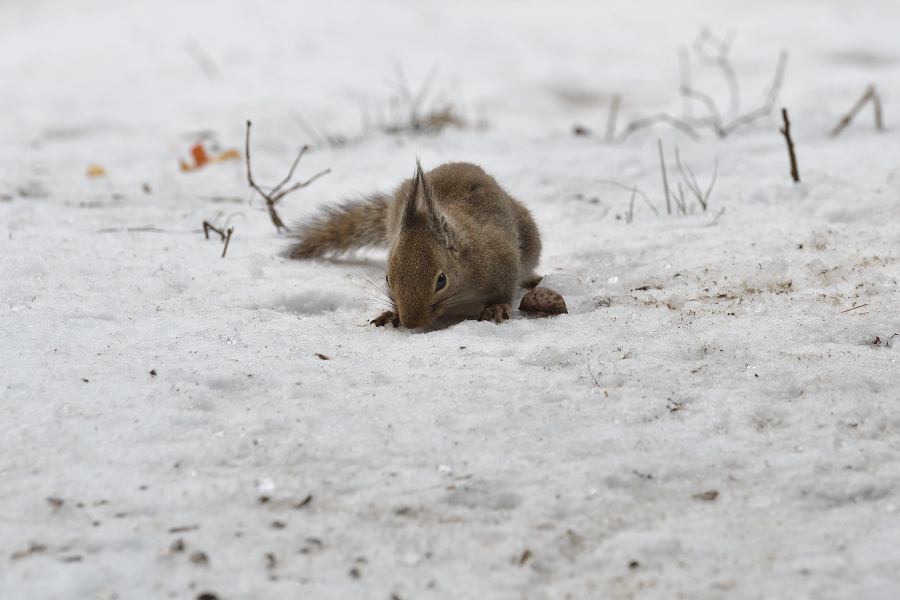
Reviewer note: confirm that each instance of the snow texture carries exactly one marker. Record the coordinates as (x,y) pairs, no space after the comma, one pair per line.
(718,416)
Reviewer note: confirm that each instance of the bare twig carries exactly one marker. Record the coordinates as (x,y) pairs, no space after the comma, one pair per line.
(768,105)
(224,235)
(325,141)
(611,120)
(207,227)
(722,126)
(275,194)
(684,74)
(653,120)
(870,95)
(722,48)
(597,383)
(408,112)
(786,132)
(714,120)
(854,308)
(662,165)
(630,188)
(716,218)
(227,239)
(679,199)
(630,216)
(690,180)
(203,60)
(145,229)
(712,182)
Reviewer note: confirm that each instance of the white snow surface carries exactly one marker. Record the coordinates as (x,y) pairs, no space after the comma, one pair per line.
(168,430)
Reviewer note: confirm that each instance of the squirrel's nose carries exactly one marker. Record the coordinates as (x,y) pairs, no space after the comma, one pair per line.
(413,320)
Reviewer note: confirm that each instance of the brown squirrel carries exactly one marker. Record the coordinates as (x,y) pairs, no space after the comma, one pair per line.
(458,244)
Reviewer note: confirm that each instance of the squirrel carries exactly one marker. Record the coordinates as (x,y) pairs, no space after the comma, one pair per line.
(458,244)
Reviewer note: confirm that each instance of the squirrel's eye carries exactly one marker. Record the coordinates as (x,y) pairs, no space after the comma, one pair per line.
(441,282)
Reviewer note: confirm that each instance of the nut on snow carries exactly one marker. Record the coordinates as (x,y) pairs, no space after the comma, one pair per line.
(543,302)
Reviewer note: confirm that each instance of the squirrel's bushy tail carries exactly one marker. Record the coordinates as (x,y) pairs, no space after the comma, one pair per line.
(338,229)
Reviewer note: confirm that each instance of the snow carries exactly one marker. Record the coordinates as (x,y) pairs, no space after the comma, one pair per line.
(170,429)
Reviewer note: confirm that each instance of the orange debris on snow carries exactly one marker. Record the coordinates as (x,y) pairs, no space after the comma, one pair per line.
(198,153)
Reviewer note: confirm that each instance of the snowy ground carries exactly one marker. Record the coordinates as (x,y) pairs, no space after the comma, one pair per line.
(709,421)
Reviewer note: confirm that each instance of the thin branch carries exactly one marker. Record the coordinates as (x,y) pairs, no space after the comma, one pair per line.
(684,75)
(720,60)
(869,95)
(225,235)
(628,187)
(653,120)
(611,120)
(690,180)
(786,132)
(145,229)
(207,227)
(716,218)
(714,119)
(771,98)
(630,216)
(662,164)
(597,383)
(712,182)
(308,129)
(679,200)
(202,59)
(227,239)
(854,308)
(276,194)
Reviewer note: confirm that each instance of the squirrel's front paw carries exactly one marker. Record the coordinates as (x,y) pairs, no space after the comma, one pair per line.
(497,313)
(385,318)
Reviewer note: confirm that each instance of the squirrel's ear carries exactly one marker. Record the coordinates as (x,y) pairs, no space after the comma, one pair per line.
(420,200)
(412,196)
(437,220)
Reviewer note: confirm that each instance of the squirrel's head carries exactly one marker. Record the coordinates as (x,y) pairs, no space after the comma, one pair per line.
(422,273)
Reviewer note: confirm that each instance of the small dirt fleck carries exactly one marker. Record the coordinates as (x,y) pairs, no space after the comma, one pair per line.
(312,544)
(304,502)
(207,596)
(634,564)
(184,528)
(271,561)
(323,357)
(177,546)
(355,573)
(199,558)
(152,372)
(55,502)
(708,496)
(278,525)
(33,549)
(526,555)
(580,130)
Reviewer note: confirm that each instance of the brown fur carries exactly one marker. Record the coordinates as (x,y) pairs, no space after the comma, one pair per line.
(454,220)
